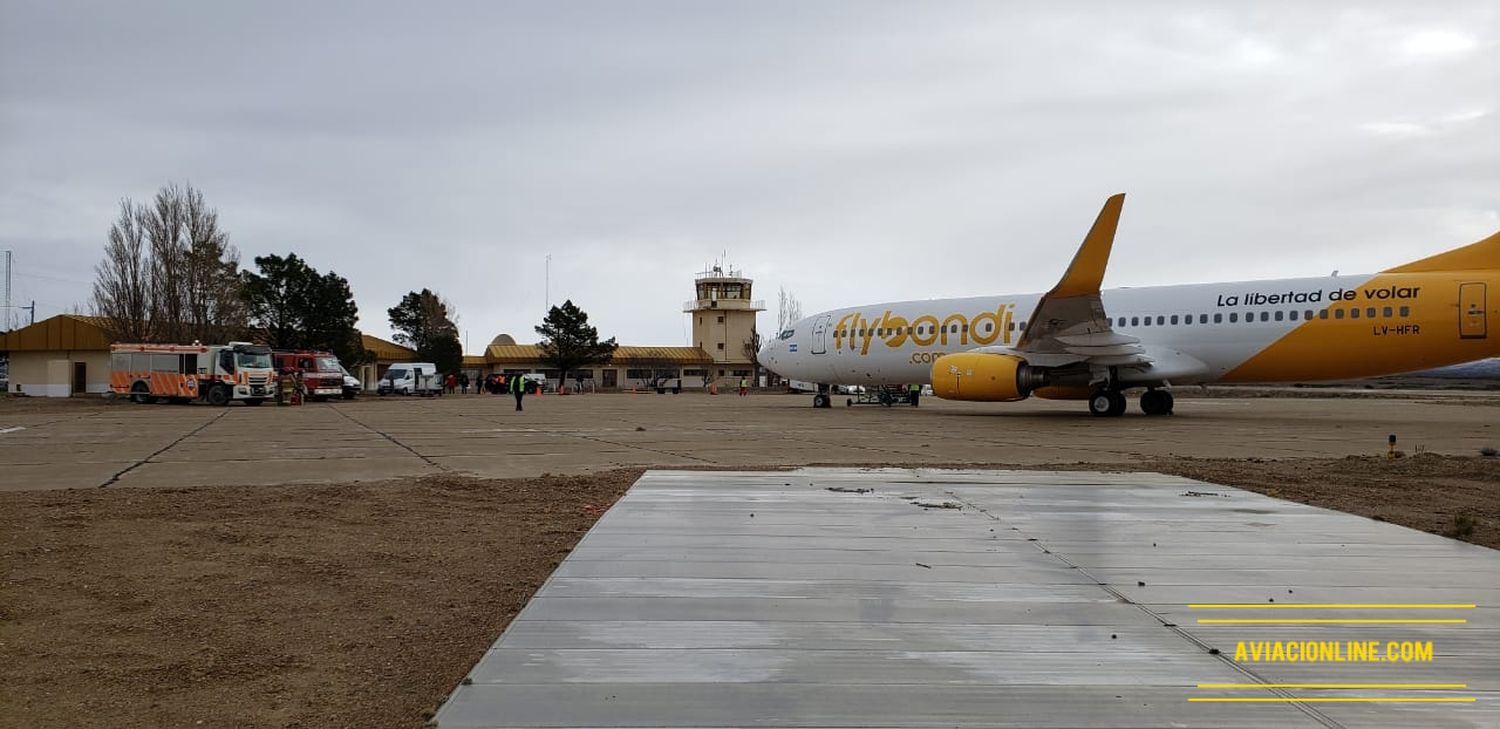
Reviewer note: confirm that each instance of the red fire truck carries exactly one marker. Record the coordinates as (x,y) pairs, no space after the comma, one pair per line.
(321,373)
(216,373)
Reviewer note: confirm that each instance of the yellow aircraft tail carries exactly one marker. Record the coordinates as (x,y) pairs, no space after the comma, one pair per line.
(1481,256)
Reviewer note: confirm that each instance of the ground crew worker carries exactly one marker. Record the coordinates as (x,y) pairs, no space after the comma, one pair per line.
(518,388)
(744,386)
(916,394)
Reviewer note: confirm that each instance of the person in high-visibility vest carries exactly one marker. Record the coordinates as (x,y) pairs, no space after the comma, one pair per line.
(518,388)
(916,394)
(744,387)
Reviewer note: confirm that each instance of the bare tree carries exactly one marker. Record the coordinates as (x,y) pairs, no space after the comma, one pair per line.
(184,265)
(122,286)
(788,310)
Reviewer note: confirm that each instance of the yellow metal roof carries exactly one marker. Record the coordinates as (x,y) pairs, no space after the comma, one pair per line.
(471,360)
(503,354)
(386,351)
(60,333)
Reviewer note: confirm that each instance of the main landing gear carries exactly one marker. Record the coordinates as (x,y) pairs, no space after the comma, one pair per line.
(1107,404)
(1156,402)
(1111,403)
(822,400)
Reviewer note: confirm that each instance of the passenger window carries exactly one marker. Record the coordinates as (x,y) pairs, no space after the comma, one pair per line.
(1354,313)
(1233,317)
(1279,315)
(1218,318)
(1387,312)
(1307,315)
(1250,317)
(1292,315)
(1405,311)
(1202,318)
(1370,313)
(1187,319)
(1135,321)
(1338,313)
(1146,321)
(1160,320)
(1012,326)
(1322,313)
(1265,316)
(966,328)
(1174,319)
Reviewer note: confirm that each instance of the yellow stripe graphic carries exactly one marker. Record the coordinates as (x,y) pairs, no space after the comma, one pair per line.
(1332,699)
(1335,685)
(1334,606)
(1330,621)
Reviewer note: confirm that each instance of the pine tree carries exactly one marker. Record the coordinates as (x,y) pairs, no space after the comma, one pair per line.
(569,342)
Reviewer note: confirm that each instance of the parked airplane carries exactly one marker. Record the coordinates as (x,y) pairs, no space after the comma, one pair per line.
(1077,342)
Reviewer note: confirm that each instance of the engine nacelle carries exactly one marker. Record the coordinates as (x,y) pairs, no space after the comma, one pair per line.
(983,377)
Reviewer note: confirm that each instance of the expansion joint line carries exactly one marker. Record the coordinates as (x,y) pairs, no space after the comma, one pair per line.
(390,438)
(1310,711)
(163,449)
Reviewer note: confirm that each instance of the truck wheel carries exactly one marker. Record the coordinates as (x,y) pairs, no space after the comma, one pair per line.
(140,393)
(217,395)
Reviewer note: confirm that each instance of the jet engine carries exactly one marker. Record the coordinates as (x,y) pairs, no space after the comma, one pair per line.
(984,377)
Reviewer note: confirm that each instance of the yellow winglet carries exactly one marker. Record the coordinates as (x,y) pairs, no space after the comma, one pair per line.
(1086,272)
(1481,256)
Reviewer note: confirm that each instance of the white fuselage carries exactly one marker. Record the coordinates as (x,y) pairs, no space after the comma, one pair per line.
(1192,333)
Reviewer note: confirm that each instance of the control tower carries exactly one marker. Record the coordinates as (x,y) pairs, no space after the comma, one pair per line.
(724,321)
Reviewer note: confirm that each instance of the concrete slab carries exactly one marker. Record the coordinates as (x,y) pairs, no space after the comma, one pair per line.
(724,599)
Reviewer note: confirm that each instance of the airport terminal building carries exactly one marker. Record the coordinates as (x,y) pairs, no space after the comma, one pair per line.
(723,315)
(68,354)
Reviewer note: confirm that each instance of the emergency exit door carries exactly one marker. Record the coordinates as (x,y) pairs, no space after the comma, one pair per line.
(1471,311)
(819,335)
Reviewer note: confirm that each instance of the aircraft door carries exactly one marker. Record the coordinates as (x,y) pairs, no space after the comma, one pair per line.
(820,335)
(1472,322)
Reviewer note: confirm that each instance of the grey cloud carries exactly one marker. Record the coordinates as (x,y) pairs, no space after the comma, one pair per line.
(849,151)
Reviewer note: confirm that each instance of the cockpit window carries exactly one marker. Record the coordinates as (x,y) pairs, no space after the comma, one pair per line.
(787,334)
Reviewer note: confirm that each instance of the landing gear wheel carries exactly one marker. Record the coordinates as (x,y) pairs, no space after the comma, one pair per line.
(849,403)
(821,400)
(1107,404)
(1156,402)
(217,396)
(140,393)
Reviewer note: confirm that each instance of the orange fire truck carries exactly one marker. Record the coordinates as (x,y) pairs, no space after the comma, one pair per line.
(215,373)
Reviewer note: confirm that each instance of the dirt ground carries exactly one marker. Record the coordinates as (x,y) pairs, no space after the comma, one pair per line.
(362,605)
(300,606)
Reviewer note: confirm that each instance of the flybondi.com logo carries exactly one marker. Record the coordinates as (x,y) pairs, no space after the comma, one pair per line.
(1332,651)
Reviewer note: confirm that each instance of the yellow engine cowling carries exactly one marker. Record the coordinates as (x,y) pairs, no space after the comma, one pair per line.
(983,377)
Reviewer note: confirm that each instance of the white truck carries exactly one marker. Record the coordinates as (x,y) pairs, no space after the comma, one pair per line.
(411,378)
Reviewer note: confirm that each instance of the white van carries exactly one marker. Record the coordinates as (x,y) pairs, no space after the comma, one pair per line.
(410,378)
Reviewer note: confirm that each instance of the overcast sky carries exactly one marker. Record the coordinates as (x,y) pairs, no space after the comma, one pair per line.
(848,151)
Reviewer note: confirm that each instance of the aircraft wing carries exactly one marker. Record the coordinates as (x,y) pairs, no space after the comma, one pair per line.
(1069,323)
